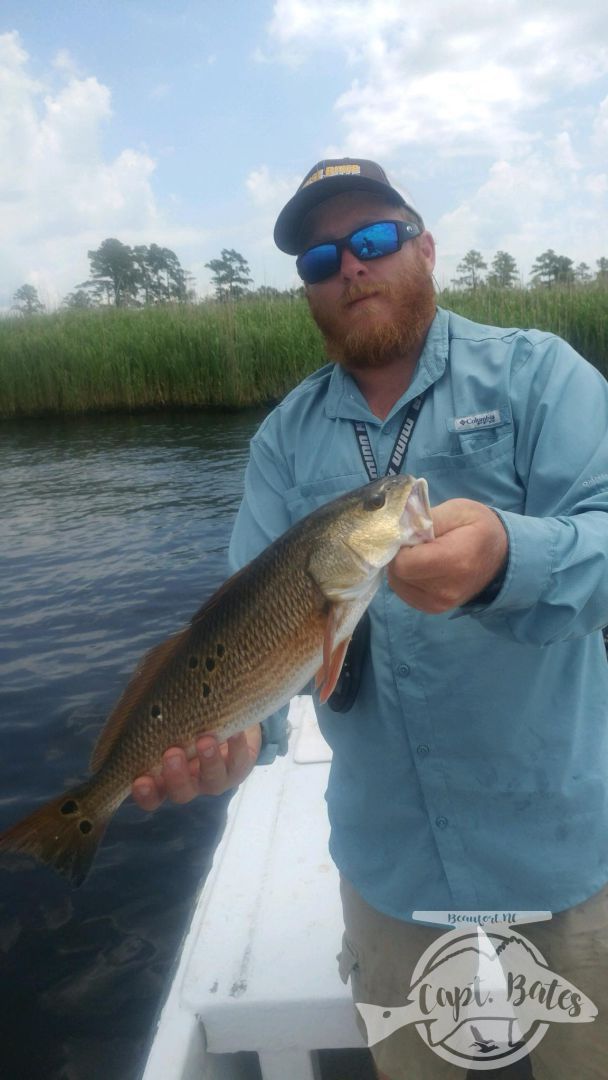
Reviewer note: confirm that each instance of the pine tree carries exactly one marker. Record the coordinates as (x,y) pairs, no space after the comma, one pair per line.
(470,271)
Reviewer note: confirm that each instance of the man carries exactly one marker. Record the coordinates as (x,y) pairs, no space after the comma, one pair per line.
(471,770)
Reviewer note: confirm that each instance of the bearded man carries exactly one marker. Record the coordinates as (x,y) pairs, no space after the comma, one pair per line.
(471,772)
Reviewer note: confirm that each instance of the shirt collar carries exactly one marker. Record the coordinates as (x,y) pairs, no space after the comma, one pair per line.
(345,401)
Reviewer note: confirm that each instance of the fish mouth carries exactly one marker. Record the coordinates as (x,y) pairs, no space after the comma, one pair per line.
(416,523)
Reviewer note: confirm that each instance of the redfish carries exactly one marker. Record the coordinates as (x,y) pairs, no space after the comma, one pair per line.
(260,639)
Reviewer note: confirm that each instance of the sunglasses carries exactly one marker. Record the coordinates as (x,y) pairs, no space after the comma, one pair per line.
(369,242)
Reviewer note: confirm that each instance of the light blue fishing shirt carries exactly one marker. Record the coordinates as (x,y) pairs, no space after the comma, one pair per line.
(472,770)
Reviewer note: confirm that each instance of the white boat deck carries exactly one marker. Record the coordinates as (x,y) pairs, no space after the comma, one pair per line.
(258,970)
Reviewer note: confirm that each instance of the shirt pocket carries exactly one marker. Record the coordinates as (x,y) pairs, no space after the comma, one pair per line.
(309,495)
(480,466)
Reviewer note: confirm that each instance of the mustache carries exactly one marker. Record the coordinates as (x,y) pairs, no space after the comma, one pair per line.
(357,291)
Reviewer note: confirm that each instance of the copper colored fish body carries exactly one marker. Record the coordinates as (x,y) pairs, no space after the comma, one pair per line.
(285,617)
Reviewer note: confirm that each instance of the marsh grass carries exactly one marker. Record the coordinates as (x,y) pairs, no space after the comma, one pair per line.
(579,314)
(214,355)
(227,355)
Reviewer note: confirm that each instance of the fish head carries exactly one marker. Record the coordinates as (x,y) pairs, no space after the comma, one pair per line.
(363,531)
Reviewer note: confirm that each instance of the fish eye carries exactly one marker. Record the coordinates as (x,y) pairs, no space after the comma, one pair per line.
(375,501)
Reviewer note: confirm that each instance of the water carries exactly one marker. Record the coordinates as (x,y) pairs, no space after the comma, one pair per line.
(112,532)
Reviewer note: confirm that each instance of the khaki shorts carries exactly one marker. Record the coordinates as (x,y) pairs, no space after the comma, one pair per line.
(379,954)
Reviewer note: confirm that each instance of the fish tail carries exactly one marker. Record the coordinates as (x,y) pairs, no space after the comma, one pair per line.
(64,834)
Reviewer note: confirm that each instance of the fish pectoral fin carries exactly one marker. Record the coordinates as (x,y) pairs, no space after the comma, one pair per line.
(335,667)
(333,655)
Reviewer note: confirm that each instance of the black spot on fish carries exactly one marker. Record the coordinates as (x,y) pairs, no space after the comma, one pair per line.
(155,712)
(206,689)
(210,663)
(69,807)
(193,661)
(85,826)
(220,650)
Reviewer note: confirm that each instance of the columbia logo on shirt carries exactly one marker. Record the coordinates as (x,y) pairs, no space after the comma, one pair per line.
(476,421)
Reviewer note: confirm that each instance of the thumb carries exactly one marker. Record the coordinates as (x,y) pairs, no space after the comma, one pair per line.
(453,514)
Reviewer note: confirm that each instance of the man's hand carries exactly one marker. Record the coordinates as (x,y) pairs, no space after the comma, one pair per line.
(217,767)
(469,549)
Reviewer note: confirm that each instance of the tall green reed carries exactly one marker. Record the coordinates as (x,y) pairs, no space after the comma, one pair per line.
(227,355)
(579,314)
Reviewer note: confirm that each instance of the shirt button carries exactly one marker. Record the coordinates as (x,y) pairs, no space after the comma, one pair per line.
(422,748)
(441,822)
(403,669)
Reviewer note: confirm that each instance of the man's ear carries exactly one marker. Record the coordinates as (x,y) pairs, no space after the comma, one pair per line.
(426,245)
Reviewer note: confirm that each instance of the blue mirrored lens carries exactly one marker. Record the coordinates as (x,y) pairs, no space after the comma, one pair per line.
(318,263)
(375,240)
(370,242)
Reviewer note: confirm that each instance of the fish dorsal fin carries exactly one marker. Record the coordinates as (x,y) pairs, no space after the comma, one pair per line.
(136,689)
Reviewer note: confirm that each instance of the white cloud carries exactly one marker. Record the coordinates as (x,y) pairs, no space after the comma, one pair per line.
(442,109)
(454,74)
(507,97)
(268,190)
(597,184)
(64,61)
(159,91)
(600,125)
(59,194)
(536,204)
(563,152)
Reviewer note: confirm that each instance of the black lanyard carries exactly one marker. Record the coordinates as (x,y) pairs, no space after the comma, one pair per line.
(347,687)
(401,443)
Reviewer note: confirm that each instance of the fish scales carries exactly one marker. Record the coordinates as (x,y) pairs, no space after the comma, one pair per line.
(261,630)
(259,640)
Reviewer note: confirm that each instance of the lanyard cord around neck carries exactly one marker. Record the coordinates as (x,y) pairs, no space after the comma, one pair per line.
(401,443)
(347,686)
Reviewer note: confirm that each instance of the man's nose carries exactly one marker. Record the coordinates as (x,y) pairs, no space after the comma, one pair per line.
(351,267)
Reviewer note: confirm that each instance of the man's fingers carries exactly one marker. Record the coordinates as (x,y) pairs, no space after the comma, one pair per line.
(148,792)
(453,514)
(469,549)
(239,756)
(213,779)
(421,562)
(179,783)
(216,768)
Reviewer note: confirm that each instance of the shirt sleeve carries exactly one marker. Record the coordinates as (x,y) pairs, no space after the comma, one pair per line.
(262,517)
(556,584)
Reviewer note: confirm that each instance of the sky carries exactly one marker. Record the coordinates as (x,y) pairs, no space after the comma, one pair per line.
(190,124)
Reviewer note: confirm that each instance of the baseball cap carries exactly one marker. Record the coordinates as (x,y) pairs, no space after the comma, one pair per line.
(327,178)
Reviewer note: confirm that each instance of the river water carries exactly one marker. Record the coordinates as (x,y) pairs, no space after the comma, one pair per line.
(112,533)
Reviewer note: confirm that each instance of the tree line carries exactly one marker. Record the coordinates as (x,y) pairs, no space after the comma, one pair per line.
(549,269)
(123,276)
(141,276)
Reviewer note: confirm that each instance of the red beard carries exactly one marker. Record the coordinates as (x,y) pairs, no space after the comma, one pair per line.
(373,338)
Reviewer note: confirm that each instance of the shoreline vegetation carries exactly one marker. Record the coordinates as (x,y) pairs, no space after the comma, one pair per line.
(229,355)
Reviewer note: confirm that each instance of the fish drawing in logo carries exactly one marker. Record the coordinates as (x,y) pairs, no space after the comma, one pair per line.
(495,985)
